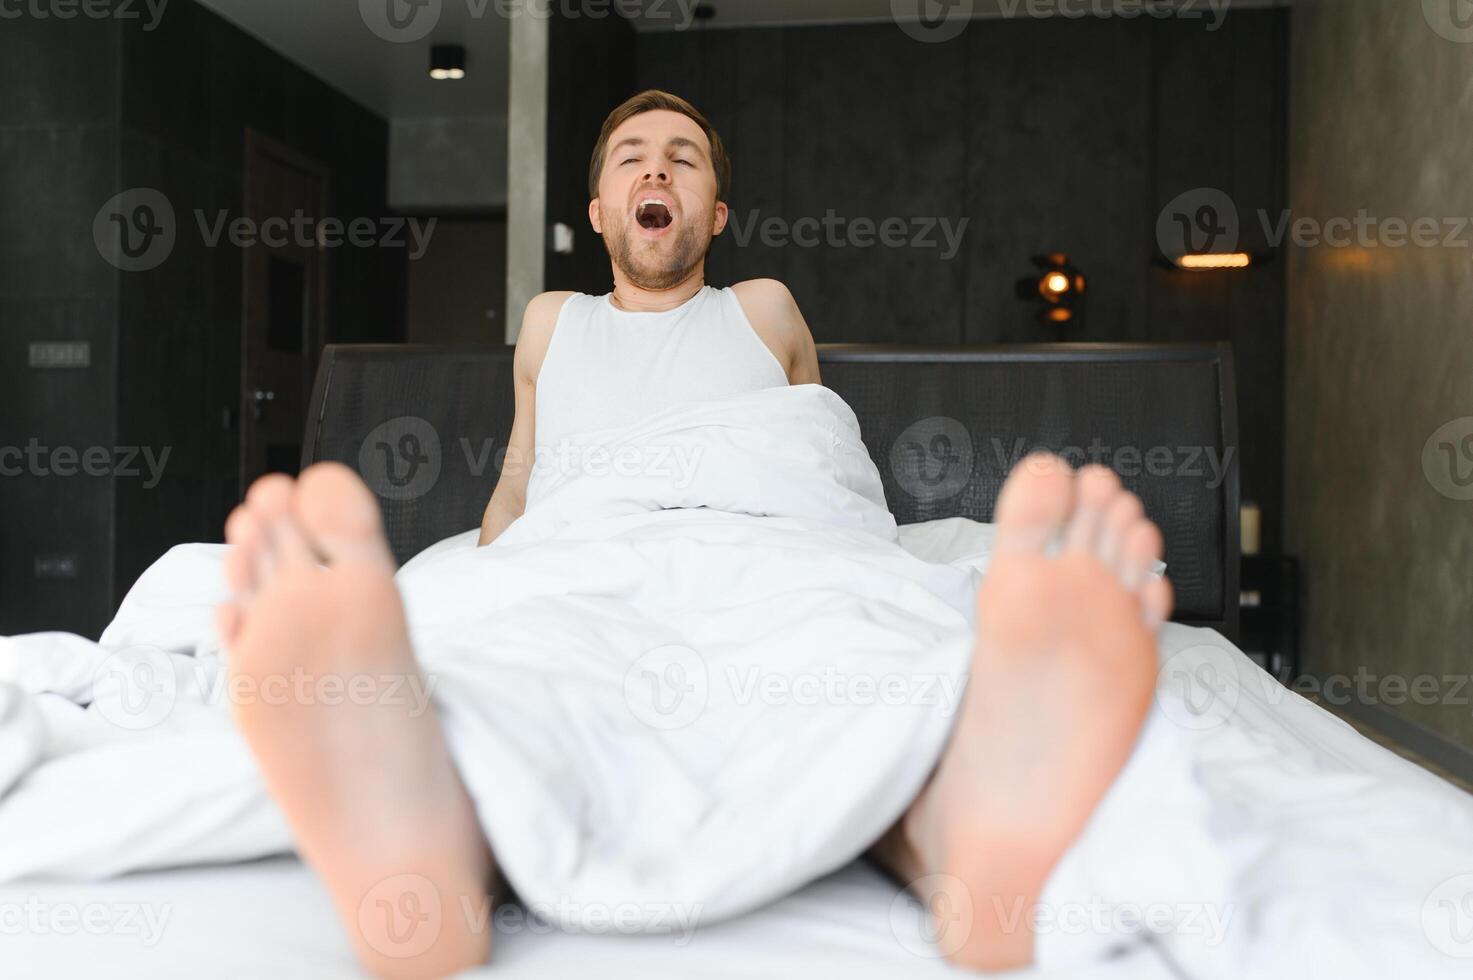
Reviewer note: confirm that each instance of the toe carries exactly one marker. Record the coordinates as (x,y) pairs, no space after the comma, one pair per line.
(1095,490)
(271,496)
(290,544)
(269,500)
(1140,549)
(228,618)
(340,515)
(1034,504)
(1156,601)
(1121,515)
(243,533)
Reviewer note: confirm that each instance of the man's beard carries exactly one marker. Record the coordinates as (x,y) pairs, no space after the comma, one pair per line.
(645,268)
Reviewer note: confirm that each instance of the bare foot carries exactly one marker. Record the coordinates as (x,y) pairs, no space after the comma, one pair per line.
(326,690)
(1063,669)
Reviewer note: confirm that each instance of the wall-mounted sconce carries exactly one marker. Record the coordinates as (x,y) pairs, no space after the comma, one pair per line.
(1058,285)
(447,62)
(1213,261)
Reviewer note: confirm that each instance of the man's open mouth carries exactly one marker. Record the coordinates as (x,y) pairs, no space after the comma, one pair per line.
(653,214)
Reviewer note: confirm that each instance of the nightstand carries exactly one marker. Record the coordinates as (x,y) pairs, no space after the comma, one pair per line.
(1269,614)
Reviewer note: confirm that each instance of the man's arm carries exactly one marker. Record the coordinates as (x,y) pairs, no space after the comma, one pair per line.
(509,499)
(775,317)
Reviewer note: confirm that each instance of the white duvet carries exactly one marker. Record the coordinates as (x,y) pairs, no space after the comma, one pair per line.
(700,671)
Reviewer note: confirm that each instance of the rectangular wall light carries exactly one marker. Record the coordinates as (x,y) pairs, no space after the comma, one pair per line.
(1203,262)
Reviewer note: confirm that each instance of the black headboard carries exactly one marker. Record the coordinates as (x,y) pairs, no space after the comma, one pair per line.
(425,426)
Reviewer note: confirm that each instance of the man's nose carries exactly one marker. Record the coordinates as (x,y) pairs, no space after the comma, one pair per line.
(658,176)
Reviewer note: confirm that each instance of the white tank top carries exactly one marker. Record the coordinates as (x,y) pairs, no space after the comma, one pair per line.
(606,367)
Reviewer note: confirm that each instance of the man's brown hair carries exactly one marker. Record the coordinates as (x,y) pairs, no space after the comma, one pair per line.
(649,101)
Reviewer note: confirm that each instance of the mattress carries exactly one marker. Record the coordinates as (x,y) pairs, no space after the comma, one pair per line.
(272,919)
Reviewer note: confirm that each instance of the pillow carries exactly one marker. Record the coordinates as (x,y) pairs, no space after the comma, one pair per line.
(456,542)
(949,540)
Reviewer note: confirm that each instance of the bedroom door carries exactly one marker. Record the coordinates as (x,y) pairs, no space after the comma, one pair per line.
(282,293)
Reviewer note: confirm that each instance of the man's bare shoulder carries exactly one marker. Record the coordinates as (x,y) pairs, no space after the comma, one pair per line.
(770,299)
(537,325)
(774,315)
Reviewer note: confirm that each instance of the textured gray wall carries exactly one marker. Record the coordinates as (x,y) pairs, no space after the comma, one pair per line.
(1043,134)
(448,164)
(1379,352)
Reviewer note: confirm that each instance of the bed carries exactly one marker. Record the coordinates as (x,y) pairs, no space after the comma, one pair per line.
(942,426)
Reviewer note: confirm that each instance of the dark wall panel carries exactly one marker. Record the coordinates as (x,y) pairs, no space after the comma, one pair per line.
(59,157)
(1059,122)
(590,72)
(895,153)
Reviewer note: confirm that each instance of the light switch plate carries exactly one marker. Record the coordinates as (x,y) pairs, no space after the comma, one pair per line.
(56,566)
(60,354)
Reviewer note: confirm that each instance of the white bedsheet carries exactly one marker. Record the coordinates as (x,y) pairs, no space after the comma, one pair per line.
(1250,834)
(273,919)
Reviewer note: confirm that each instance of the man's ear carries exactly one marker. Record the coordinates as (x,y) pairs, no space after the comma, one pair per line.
(595,217)
(719,218)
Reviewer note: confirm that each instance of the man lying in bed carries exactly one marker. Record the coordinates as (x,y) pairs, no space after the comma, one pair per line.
(372,792)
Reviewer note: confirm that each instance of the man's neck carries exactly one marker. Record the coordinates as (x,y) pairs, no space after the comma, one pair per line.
(633,299)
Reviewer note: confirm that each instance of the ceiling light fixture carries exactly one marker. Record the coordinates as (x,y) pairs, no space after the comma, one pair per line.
(447,62)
